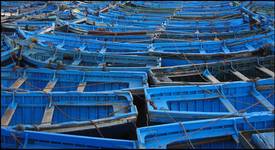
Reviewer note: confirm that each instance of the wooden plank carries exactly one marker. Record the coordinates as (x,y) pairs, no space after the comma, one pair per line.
(262,100)
(244,142)
(103,50)
(48,115)
(50,86)
(240,75)
(118,109)
(80,20)
(76,62)
(216,39)
(184,74)
(47,30)
(53,58)
(228,105)
(81,87)
(83,47)
(18,83)
(250,47)
(29,52)
(100,123)
(265,70)
(60,45)
(165,79)
(225,49)
(6,118)
(210,77)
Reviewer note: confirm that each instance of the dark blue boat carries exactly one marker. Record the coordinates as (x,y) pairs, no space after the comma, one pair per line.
(184,103)
(44,140)
(8,49)
(137,74)
(69,80)
(163,136)
(244,69)
(66,109)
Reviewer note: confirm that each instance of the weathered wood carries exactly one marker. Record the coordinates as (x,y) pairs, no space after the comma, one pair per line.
(18,83)
(53,58)
(244,142)
(48,115)
(183,74)
(6,118)
(116,33)
(76,62)
(81,87)
(239,75)
(262,100)
(80,20)
(225,49)
(50,86)
(100,123)
(250,47)
(210,77)
(266,70)
(228,105)
(47,30)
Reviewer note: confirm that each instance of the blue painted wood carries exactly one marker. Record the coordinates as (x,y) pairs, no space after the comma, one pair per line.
(69,106)
(45,56)
(69,80)
(160,136)
(216,30)
(266,92)
(45,140)
(222,70)
(7,48)
(211,47)
(264,140)
(183,103)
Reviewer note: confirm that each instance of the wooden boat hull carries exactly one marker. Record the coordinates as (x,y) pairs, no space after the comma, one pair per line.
(45,140)
(197,130)
(224,71)
(66,109)
(185,103)
(70,80)
(8,50)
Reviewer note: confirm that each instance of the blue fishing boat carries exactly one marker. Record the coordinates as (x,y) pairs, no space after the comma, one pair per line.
(8,49)
(28,25)
(92,45)
(70,80)
(13,11)
(44,140)
(51,57)
(184,103)
(137,74)
(191,132)
(172,53)
(265,8)
(34,20)
(72,111)
(228,46)
(244,69)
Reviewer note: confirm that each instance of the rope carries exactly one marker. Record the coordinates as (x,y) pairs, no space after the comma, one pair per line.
(240,111)
(186,135)
(156,36)
(18,142)
(76,119)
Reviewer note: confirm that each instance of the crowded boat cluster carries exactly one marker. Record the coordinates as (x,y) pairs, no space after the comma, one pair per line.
(137,74)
